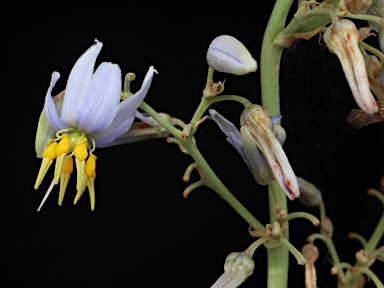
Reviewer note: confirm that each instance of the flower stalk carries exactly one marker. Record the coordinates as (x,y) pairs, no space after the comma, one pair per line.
(270,57)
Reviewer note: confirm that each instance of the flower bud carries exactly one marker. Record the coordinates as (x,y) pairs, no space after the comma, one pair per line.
(361,257)
(342,39)
(357,6)
(227,54)
(377,9)
(373,67)
(326,227)
(310,195)
(237,268)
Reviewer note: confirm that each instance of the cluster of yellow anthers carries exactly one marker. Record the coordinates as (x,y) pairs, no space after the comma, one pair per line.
(68,143)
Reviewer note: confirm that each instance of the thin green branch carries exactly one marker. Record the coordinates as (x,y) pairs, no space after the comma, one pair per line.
(216,183)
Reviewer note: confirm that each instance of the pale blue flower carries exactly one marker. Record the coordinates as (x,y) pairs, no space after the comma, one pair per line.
(88,113)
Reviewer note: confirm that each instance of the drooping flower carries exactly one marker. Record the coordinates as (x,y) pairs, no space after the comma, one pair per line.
(310,195)
(342,39)
(259,143)
(237,268)
(227,54)
(88,113)
(259,124)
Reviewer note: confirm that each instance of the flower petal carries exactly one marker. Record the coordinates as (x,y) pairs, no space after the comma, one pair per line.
(43,133)
(237,144)
(50,108)
(255,159)
(44,129)
(126,113)
(146,118)
(258,122)
(226,126)
(78,82)
(100,103)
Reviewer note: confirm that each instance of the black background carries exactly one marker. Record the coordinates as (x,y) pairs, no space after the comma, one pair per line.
(143,233)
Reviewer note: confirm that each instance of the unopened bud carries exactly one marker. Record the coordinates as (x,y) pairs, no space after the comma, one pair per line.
(377,9)
(342,39)
(358,6)
(373,67)
(310,195)
(237,268)
(227,54)
(361,257)
(327,226)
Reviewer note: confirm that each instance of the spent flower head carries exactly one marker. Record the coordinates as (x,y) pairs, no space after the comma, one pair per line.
(259,143)
(257,121)
(342,38)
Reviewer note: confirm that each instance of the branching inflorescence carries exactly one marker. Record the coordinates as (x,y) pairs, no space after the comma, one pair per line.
(72,125)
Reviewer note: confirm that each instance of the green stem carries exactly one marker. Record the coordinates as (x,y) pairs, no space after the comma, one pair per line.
(376,236)
(366,17)
(373,50)
(332,251)
(219,187)
(206,102)
(304,215)
(216,183)
(236,98)
(299,257)
(270,95)
(369,247)
(322,211)
(372,276)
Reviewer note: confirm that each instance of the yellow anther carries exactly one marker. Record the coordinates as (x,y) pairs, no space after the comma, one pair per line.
(81,189)
(66,170)
(63,146)
(67,165)
(81,154)
(91,190)
(50,151)
(80,151)
(81,176)
(90,165)
(64,179)
(48,155)
(61,150)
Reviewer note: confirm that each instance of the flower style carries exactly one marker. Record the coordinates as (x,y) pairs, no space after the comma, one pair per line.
(88,113)
(342,39)
(227,54)
(259,143)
